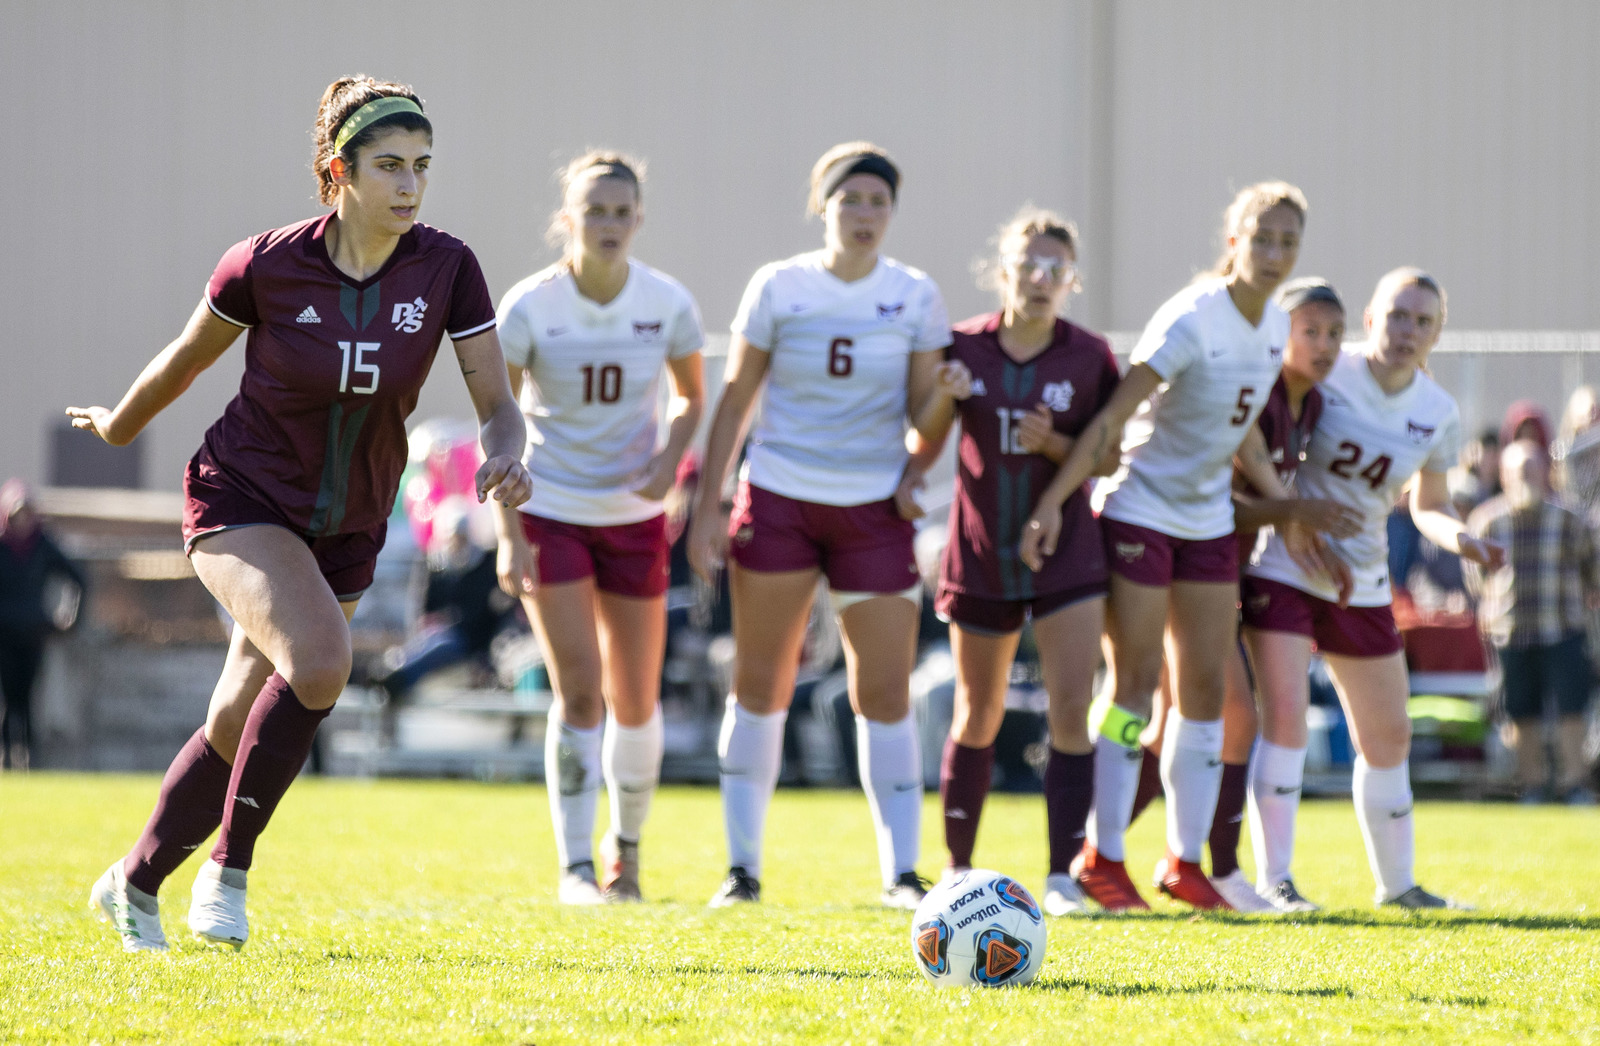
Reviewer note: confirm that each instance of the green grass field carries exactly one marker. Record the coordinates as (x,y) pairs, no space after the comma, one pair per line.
(424,912)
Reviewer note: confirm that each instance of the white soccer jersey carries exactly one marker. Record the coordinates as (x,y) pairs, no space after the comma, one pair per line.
(1365,448)
(1177,451)
(833,414)
(591,395)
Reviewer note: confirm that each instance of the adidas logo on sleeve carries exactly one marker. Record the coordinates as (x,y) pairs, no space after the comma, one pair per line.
(308,315)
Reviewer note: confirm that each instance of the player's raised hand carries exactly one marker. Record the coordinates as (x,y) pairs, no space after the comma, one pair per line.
(1328,516)
(93,419)
(954,379)
(1039,536)
(1490,555)
(504,479)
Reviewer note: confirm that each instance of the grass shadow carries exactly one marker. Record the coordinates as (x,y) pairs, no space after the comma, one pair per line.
(1434,920)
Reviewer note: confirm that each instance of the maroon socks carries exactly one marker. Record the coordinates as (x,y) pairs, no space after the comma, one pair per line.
(1068,794)
(964,777)
(1149,783)
(277,738)
(188,810)
(1225,824)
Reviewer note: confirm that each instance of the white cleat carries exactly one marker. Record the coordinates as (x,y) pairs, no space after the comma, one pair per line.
(579,887)
(134,914)
(953,872)
(1237,891)
(216,906)
(1062,896)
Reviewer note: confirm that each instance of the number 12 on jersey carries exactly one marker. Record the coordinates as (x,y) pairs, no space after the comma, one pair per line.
(1011,430)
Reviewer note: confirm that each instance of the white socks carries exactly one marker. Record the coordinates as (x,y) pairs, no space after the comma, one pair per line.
(891,774)
(1116,782)
(750,750)
(1276,774)
(1191,773)
(630,757)
(1383,810)
(572,779)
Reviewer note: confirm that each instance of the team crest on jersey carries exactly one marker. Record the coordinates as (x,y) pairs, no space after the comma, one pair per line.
(647,331)
(891,312)
(1057,395)
(978,388)
(407,316)
(1275,353)
(1419,434)
(1130,551)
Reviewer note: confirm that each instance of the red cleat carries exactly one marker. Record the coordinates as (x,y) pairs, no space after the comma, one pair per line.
(1184,881)
(1106,882)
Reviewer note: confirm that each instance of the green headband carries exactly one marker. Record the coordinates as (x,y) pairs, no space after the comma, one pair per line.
(372,112)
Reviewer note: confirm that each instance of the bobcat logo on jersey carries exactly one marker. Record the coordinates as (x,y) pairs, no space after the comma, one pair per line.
(1419,434)
(1058,395)
(978,387)
(1130,551)
(891,312)
(1276,353)
(647,331)
(407,316)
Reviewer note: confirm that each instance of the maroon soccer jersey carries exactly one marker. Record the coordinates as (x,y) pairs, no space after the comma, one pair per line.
(998,483)
(333,367)
(1286,437)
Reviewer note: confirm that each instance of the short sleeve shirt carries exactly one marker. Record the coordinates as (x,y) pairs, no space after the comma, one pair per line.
(1367,445)
(1286,437)
(592,391)
(998,483)
(832,420)
(1216,371)
(333,367)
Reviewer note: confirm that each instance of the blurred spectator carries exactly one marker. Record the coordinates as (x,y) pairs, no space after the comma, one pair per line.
(463,609)
(1534,611)
(1476,477)
(1577,453)
(1525,419)
(33,604)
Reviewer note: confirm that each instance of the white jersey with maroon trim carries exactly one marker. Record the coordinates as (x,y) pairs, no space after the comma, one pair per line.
(1177,451)
(592,392)
(833,414)
(1367,445)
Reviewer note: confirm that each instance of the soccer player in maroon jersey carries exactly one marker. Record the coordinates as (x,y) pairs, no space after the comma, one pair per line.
(288,496)
(1025,382)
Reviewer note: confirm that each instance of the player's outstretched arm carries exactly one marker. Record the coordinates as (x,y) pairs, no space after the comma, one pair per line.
(708,531)
(1436,517)
(501,430)
(205,338)
(1103,433)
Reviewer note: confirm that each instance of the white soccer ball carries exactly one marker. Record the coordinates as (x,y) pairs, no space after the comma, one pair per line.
(978,928)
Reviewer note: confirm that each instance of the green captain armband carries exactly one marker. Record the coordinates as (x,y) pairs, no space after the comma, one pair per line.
(1115,723)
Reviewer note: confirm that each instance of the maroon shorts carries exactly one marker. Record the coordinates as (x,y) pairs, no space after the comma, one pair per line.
(1149,557)
(860,548)
(1272,606)
(629,559)
(998,617)
(211,504)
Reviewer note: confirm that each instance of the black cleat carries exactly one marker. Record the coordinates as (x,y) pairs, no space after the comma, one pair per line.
(906,892)
(1418,899)
(1286,898)
(740,887)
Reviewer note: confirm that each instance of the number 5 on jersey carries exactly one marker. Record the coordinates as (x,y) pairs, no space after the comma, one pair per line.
(359,350)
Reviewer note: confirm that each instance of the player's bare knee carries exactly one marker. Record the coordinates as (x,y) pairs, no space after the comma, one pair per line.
(319,674)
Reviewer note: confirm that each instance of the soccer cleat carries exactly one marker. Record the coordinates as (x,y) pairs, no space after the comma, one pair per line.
(1286,898)
(739,887)
(216,906)
(1062,896)
(1417,899)
(621,882)
(1184,881)
(953,871)
(906,892)
(1106,882)
(1237,891)
(578,885)
(134,914)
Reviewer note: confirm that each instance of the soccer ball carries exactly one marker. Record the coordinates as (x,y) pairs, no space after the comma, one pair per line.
(978,928)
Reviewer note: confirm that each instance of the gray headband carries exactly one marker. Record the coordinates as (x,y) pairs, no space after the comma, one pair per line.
(1305,290)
